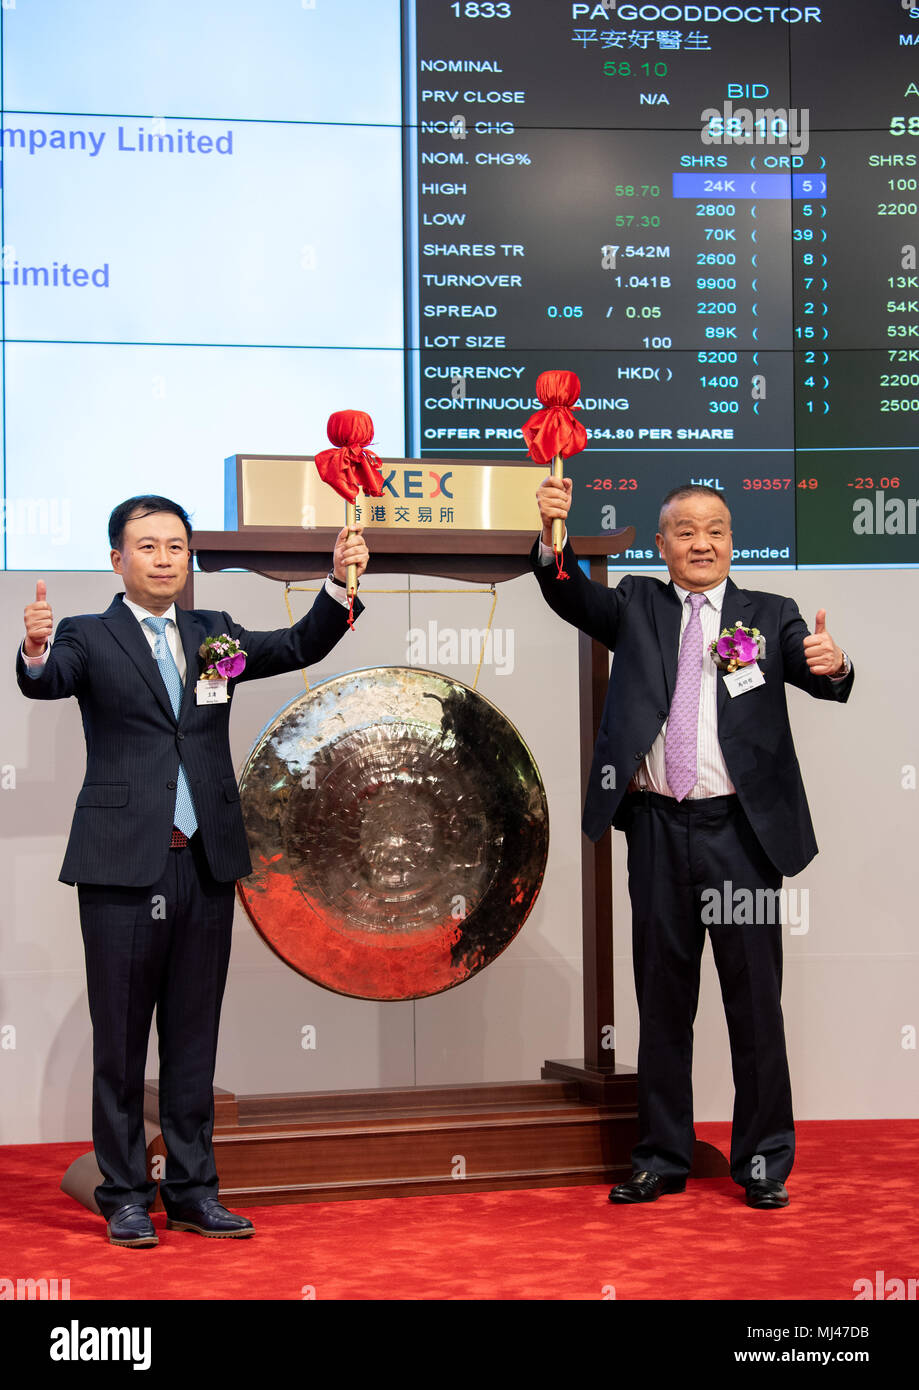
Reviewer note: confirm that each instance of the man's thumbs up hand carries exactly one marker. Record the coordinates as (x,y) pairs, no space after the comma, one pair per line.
(39,622)
(823,656)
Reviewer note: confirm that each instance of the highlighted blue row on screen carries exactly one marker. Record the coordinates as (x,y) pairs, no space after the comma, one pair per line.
(722,185)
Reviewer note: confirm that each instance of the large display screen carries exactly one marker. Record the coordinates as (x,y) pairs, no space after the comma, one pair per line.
(203,249)
(222,221)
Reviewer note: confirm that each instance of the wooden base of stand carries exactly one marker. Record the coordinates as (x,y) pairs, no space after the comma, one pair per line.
(596,1085)
(576,1127)
(408,1142)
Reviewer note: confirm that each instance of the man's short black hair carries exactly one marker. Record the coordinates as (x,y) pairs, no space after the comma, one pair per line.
(135,508)
(689,490)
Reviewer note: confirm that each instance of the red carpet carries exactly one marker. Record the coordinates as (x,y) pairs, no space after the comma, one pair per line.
(551,1244)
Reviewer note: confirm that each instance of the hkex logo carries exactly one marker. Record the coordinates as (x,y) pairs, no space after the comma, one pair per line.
(413,483)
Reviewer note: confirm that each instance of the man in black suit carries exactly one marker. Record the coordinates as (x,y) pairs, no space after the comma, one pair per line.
(697,765)
(157,844)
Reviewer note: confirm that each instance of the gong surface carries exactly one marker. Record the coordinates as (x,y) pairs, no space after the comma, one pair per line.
(398,829)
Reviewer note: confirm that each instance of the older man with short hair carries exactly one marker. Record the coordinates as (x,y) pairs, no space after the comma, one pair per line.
(695,762)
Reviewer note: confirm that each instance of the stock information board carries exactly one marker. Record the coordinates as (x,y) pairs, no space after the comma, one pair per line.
(709,212)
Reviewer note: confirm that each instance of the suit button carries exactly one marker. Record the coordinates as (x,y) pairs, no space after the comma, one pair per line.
(180,735)
(170,786)
(638,757)
(661,714)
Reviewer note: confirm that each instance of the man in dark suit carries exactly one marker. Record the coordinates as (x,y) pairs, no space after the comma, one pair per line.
(157,844)
(697,765)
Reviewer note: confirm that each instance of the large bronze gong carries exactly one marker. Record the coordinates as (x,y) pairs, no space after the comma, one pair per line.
(398,828)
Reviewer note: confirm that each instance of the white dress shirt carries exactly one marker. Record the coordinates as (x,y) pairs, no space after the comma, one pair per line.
(171,634)
(712,775)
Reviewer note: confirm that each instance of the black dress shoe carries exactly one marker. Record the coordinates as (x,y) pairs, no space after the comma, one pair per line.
(646,1187)
(209,1218)
(131,1225)
(766,1193)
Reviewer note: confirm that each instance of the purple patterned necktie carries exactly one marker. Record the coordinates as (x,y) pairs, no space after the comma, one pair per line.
(683,722)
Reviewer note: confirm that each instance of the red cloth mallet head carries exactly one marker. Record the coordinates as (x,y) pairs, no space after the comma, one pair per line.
(554,430)
(350,466)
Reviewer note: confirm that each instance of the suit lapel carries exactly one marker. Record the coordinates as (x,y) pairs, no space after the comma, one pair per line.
(126,630)
(667,618)
(735,606)
(192,636)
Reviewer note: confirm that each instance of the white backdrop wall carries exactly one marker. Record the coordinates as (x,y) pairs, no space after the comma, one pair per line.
(851,992)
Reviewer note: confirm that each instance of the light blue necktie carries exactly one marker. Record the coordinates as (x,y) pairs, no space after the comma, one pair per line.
(185,819)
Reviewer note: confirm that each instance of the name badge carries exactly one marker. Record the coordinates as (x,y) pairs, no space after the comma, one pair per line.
(212,692)
(744,679)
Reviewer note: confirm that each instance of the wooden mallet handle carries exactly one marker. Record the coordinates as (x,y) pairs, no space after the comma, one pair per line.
(558,526)
(351,523)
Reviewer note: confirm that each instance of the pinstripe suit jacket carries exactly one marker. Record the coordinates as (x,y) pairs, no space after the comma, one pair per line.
(122,822)
(639,621)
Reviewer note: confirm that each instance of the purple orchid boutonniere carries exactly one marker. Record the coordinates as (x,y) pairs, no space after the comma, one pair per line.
(223,658)
(738,646)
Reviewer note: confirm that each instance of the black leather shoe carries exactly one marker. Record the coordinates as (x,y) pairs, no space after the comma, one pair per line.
(209,1218)
(766,1193)
(646,1187)
(131,1225)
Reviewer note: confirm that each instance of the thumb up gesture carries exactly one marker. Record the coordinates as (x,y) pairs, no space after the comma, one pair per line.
(821,653)
(39,622)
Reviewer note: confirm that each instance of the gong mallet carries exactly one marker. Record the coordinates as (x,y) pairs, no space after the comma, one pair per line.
(554,434)
(349,467)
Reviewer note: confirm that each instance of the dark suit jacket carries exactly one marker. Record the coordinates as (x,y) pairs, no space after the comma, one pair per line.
(123,818)
(639,621)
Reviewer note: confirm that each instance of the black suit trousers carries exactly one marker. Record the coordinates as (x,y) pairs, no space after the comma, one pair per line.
(162,949)
(697,866)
